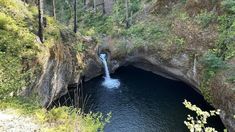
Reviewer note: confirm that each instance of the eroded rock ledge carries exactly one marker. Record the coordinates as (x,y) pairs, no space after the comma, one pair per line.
(64,66)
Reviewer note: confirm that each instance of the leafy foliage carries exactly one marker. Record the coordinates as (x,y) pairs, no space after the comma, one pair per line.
(229,5)
(198,123)
(94,24)
(205,18)
(212,64)
(226,43)
(16,44)
(146,33)
(71,119)
(80,47)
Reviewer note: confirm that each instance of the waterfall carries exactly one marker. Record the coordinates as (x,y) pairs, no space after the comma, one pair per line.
(103,58)
(108,82)
(195,66)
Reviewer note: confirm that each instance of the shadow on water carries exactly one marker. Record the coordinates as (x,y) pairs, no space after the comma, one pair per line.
(143,102)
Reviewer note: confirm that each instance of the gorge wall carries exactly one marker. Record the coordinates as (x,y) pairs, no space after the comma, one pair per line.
(62,67)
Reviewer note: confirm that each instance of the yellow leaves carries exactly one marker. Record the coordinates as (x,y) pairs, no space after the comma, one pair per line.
(40,115)
(90,32)
(8,3)
(198,124)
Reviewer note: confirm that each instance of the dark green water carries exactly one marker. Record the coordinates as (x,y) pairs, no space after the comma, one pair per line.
(144,102)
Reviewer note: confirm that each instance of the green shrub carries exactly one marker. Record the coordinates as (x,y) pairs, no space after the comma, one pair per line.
(183,1)
(93,122)
(80,47)
(205,18)
(228,5)
(97,22)
(60,113)
(5,21)
(231,79)
(212,62)
(183,16)
(146,32)
(17,44)
(225,42)
(118,13)
(135,6)
(72,119)
(16,9)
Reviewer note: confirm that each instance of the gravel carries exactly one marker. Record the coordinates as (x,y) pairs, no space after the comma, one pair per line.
(10,122)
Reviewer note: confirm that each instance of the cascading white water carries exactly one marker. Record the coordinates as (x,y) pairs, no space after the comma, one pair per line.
(108,82)
(195,67)
(103,58)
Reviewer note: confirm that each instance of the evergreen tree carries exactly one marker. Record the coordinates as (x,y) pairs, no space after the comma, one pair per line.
(40,20)
(75,16)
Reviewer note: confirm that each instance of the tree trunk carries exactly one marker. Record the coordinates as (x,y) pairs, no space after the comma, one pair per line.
(127,14)
(54,9)
(94,5)
(40,20)
(84,2)
(75,16)
(103,8)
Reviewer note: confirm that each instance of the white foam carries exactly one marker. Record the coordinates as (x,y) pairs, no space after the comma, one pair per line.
(111,83)
(108,81)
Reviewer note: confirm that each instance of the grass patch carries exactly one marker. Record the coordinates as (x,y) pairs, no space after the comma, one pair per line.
(206,18)
(57,119)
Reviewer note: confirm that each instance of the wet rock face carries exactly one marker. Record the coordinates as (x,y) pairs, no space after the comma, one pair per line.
(93,68)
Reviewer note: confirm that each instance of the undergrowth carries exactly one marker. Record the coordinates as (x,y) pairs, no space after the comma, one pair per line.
(17,45)
(57,119)
(212,65)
